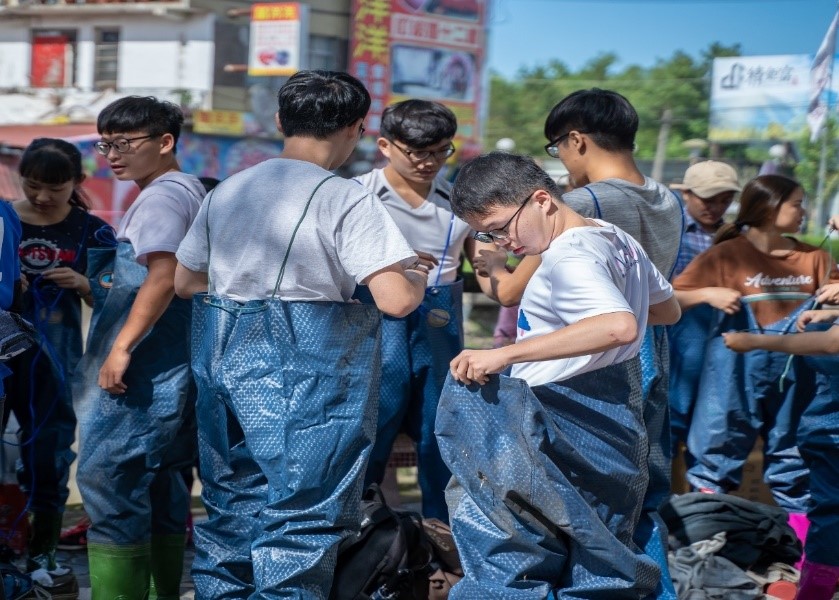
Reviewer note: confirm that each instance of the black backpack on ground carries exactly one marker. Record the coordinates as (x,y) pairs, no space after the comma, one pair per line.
(390,557)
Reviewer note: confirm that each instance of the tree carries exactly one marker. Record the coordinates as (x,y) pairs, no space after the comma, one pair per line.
(518,108)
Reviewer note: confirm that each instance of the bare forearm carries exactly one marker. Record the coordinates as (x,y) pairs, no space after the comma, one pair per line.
(188,282)
(151,302)
(589,336)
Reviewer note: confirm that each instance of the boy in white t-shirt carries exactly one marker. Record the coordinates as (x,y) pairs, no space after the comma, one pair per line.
(137,426)
(554,467)
(416,138)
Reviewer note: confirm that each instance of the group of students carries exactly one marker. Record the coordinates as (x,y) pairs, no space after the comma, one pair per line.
(252,318)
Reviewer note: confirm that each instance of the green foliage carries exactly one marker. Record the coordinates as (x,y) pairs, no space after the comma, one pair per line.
(518,107)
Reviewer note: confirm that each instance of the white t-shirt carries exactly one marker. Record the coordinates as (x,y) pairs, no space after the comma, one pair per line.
(159,218)
(427,227)
(587,271)
(345,236)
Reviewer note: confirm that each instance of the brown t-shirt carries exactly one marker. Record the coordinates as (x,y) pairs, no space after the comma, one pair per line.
(783,281)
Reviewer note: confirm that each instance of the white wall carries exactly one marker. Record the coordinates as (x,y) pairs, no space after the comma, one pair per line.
(156,53)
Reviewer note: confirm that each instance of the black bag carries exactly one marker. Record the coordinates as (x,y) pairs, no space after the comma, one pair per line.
(390,557)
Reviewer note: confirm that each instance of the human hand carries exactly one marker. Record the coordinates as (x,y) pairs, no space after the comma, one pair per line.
(740,342)
(425,262)
(488,261)
(112,371)
(477,365)
(834,222)
(816,316)
(24,283)
(828,294)
(725,299)
(67,278)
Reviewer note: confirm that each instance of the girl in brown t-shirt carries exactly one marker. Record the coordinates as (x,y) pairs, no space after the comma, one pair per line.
(759,278)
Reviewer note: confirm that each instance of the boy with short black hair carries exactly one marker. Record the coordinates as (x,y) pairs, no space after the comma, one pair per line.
(137,431)
(553,460)
(416,138)
(287,365)
(593,133)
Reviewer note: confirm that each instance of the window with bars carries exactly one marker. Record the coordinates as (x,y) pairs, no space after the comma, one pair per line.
(106,59)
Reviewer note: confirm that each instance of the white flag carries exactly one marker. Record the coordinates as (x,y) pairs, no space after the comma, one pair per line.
(820,76)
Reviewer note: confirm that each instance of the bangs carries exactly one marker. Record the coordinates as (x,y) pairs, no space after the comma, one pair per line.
(47,165)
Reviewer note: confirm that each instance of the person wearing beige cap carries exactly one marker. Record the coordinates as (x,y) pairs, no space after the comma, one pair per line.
(708,189)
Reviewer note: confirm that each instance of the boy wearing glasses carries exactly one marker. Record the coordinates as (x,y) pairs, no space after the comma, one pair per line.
(135,397)
(553,460)
(593,133)
(416,138)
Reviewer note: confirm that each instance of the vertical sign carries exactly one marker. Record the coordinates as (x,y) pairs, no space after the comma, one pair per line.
(278,38)
(431,49)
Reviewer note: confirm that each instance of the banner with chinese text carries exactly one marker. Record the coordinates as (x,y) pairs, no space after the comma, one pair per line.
(430,49)
(278,38)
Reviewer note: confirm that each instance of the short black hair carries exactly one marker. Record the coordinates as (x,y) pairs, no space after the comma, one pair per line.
(418,123)
(141,113)
(606,116)
(498,179)
(320,103)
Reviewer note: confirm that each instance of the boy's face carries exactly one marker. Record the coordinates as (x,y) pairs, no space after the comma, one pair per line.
(419,165)
(133,155)
(568,147)
(518,229)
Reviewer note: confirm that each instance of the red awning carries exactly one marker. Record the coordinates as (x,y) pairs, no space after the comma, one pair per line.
(20,135)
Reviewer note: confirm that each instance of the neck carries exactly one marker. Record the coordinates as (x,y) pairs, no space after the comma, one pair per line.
(565,219)
(767,239)
(613,165)
(409,190)
(169,166)
(320,152)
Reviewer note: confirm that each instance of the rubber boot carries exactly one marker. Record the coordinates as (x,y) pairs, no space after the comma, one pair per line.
(800,525)
(119,572)
(818,582)
(167,561)
(46,527)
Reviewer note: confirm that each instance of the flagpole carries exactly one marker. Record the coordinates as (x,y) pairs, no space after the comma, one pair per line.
(823,82)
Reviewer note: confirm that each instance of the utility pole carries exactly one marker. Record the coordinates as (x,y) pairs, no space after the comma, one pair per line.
(661,145)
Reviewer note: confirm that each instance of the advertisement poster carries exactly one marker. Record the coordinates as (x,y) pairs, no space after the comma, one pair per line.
(431,49)
(760,97)
(278,36)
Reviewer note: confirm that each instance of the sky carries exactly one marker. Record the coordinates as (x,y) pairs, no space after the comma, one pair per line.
(529,33)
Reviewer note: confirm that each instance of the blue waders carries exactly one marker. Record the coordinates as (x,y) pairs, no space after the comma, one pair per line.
(818,441)
(287,398)
(745,395)
(134,445)
(416,352)
(687,339)
(651,534)
(553,482)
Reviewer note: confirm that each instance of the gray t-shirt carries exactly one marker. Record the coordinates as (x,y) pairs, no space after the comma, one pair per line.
(650,213)
(431,227)
(346,234)
(159,218)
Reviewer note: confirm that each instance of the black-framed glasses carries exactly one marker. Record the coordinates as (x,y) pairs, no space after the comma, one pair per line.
(501,234)
(552,147)
(421,155)
(121,145)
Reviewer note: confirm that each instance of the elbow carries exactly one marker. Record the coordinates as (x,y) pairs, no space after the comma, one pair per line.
(398,307)
(624,330)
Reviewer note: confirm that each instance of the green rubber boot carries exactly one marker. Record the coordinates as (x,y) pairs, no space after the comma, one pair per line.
(41,565)
(119,572)
(167,565)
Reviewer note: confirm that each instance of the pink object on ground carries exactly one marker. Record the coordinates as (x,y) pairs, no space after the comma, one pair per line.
(818,582)
(800,524)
